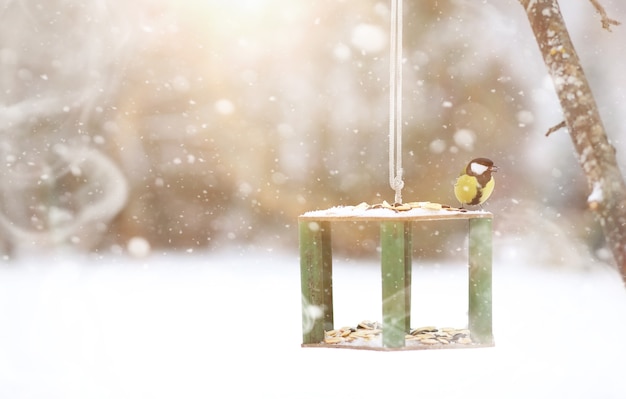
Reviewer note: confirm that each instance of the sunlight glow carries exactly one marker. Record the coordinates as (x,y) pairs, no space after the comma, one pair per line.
(239,8)
(245,19)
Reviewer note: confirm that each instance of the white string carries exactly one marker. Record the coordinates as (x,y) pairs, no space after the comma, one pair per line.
(395,101)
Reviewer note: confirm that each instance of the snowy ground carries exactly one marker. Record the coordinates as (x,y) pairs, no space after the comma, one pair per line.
(227,325)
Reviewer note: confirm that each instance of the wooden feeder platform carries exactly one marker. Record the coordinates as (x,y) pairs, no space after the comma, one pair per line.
(396,264)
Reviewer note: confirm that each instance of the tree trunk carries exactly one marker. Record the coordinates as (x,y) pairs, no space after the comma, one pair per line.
(596,155)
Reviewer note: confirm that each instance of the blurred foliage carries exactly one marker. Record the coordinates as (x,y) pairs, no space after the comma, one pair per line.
(229,119)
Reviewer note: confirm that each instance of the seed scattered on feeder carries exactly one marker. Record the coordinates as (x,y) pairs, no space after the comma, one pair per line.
(368,325)
(423,330)
(368,331)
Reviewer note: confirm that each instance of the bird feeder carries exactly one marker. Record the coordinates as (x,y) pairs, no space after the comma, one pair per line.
(396,243)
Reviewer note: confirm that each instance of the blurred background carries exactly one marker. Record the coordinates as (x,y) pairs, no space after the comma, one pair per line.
(191,125)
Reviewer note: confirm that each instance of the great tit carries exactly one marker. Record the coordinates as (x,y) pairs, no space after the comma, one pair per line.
(475,184)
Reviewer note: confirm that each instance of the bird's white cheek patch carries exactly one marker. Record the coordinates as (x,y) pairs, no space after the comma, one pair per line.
(478,169)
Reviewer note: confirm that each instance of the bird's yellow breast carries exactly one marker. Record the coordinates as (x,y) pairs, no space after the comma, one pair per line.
(466,188)
(468,191)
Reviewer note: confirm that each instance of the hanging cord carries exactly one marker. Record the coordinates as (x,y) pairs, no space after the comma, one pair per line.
(395,101)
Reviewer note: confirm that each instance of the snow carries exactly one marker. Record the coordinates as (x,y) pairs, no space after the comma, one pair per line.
(597,195)
(361,211)
(369,38)
(465,139)
(138,247)
(228,325)
(437,146)
(342,52)
(224,107)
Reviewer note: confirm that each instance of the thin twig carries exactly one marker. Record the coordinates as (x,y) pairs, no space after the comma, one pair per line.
(554,128)
(606,21)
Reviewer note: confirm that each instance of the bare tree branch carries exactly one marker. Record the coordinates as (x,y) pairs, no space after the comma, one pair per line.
(607,189)
(556,127)
(606,21)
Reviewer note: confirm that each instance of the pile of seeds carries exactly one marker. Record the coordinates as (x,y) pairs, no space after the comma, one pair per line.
(435,336)
(433,206)
(367,331)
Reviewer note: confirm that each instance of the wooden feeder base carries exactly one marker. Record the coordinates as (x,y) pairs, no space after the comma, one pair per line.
(402,348)
(396,257)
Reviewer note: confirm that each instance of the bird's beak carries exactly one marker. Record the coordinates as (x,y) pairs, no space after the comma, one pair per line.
(494,168)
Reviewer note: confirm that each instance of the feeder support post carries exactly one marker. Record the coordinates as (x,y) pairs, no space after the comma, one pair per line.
(316,270)
(480,280)
(395,243)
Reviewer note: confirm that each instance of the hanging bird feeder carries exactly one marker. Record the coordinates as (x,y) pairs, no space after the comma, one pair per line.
(396,243)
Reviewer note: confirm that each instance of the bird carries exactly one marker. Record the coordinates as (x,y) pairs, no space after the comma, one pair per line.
(475,184)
